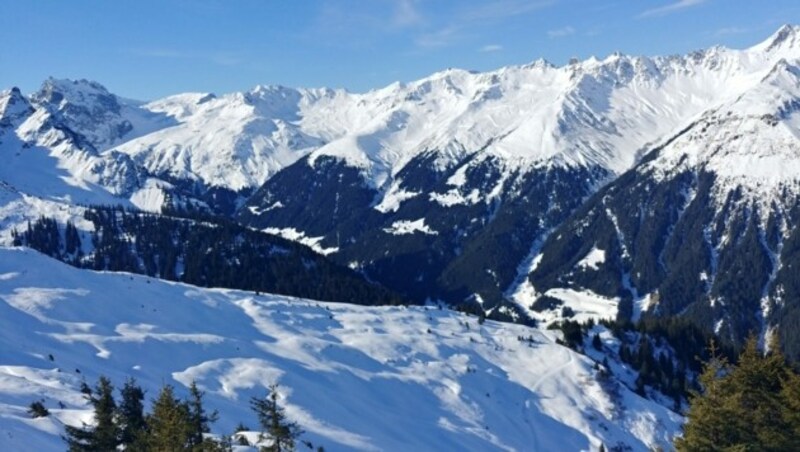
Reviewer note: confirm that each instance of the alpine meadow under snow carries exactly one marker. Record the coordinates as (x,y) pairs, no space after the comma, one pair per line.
(552,247)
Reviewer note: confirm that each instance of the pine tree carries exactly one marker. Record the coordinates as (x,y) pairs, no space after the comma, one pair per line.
(597,343)
(756,388)
(275,427)
(790,394)
(709,411)
(169,424)
(198,417)
(72,239)
(37,409)
(750,406)
(131,413)
(104,435)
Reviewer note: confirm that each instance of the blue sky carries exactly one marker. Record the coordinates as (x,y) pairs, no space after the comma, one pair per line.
(146,49)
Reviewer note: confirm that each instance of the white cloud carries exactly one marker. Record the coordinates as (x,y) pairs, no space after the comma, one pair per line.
(491,48)
(503,9)
(670,8)
(467,19)
(439,38)
(561,32)
(406,14)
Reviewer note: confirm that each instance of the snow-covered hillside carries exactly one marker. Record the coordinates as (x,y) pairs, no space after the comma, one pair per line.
(359,378)
(50,151)
(100,117)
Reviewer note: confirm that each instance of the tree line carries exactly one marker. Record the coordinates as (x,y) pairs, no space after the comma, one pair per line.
(173,424)
(667,353)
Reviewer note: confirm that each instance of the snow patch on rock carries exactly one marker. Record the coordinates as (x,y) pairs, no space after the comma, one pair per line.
(300,237)
(410,227)
(593,259)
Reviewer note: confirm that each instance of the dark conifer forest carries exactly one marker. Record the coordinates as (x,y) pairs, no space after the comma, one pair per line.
(206,253)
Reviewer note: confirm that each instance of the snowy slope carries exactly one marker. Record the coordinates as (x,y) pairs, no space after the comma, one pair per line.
(54,146)
(355,378)
(18,209)
(752,141)
(234,141)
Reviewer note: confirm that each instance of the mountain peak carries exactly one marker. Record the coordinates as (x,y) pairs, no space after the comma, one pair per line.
(783,67)
(66,93)
(13,104)
(66,85)
(540,63)
(260,90)
(786,36)
(90,110)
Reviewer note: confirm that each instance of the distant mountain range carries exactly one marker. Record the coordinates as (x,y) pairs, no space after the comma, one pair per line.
(623,187)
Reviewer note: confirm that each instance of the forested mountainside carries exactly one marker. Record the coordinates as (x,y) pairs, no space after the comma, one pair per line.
(704,228)
(204,253)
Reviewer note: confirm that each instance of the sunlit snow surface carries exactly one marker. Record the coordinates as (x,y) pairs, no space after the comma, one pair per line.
(354,377)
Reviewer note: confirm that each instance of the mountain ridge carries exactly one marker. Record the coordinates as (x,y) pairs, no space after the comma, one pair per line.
(284,136)
(465,151)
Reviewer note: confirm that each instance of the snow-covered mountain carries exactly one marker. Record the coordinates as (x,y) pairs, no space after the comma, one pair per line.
(594,113)
(103,119)
(591,113)
(234,141)
(56,145)
(704,227)
(499,161)
(50,146)
(485,164)
(355,378)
